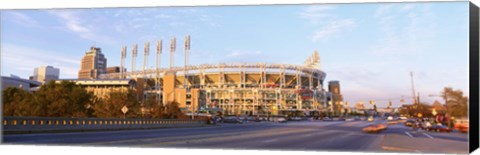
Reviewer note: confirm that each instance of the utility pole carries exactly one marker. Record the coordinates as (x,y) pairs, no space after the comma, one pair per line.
(413,89)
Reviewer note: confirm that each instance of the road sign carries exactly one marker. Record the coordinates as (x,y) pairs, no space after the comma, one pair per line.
(124,109)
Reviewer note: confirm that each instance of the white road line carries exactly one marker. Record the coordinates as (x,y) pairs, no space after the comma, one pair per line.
(408,134)
(270,140)
(428,135)
(307,135)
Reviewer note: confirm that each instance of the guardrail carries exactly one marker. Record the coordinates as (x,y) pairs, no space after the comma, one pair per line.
(54,124)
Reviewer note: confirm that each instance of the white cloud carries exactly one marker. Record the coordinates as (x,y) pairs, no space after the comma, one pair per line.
(317,13)
(242,54)
(21,18)
(20,59)
(74,23)
(332,29)
(409,40)
(328,25)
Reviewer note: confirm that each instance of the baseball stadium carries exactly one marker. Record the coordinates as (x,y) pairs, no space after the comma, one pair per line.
(234,88)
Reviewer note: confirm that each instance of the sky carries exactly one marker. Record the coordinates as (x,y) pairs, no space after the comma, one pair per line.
(370,48)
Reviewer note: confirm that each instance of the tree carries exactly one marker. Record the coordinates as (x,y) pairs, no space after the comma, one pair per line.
(17,102)
(415,109)
(110,107)
(64,99)
(456,103)
(155,109)
(172,111)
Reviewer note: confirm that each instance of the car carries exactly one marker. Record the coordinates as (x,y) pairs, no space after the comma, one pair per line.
(279,119)
(295,118)
(409,123)
(327,119)
(357,118)
(232,120)
(438,128)
(390,118)
(402,118)
(370,119)
(462,125)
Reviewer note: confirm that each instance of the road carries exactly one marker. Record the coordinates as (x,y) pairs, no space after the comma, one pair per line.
(301,135)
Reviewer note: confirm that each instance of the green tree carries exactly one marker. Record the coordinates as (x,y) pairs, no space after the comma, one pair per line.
(456,102)
(172,111)
(64,99)
(155,108)
(110,107)
(415,109)
(17,102)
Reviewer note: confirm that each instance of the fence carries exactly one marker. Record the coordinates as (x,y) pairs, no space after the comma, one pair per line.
(54,124)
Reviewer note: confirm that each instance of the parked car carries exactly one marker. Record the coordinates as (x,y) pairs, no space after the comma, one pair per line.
(462,125)
(357,118)
(370,119)
(389,118)
(327,119)
(232,120)
(438,128)
(409,122)
(402,118)
(279,119)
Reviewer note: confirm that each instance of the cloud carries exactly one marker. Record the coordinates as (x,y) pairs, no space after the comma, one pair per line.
(75,23)
(20,59)
(317,13)
(21,19)
(332,29)
(242,54)
(327,25)
(407,40)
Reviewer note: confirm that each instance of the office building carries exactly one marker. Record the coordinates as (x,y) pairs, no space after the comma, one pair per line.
(93,64)
(44,74)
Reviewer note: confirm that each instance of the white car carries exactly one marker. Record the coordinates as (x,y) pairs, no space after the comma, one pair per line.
(370,119)
(403,118)
(390,118)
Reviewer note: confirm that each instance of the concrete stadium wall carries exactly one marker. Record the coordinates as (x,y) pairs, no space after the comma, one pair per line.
(13,125)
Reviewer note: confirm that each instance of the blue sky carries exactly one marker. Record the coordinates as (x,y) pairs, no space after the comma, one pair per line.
(370,48)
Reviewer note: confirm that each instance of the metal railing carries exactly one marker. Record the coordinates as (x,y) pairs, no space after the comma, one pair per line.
(52,124)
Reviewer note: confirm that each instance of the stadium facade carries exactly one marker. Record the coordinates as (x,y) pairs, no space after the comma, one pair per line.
(234,89)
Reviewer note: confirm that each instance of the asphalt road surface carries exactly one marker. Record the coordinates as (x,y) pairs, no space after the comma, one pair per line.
(293,135)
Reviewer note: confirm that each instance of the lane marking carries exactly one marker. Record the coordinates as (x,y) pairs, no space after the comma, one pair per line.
(428,135)
(408,134)
(269,141)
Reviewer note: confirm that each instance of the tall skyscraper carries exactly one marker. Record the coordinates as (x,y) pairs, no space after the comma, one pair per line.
(44,74)
(93,64)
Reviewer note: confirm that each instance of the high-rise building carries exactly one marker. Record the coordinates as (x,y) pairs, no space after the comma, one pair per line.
(44,74)
(337,97)
(93,64)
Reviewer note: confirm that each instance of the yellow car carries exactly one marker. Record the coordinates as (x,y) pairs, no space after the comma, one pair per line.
(370,119)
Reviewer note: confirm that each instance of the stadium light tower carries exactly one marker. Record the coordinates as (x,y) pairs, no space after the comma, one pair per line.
(145,58)
(159,52)
(134,56)
(122,62)
(172,51)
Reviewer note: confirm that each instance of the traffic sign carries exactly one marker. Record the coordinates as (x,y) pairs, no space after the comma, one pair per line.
(124,109)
